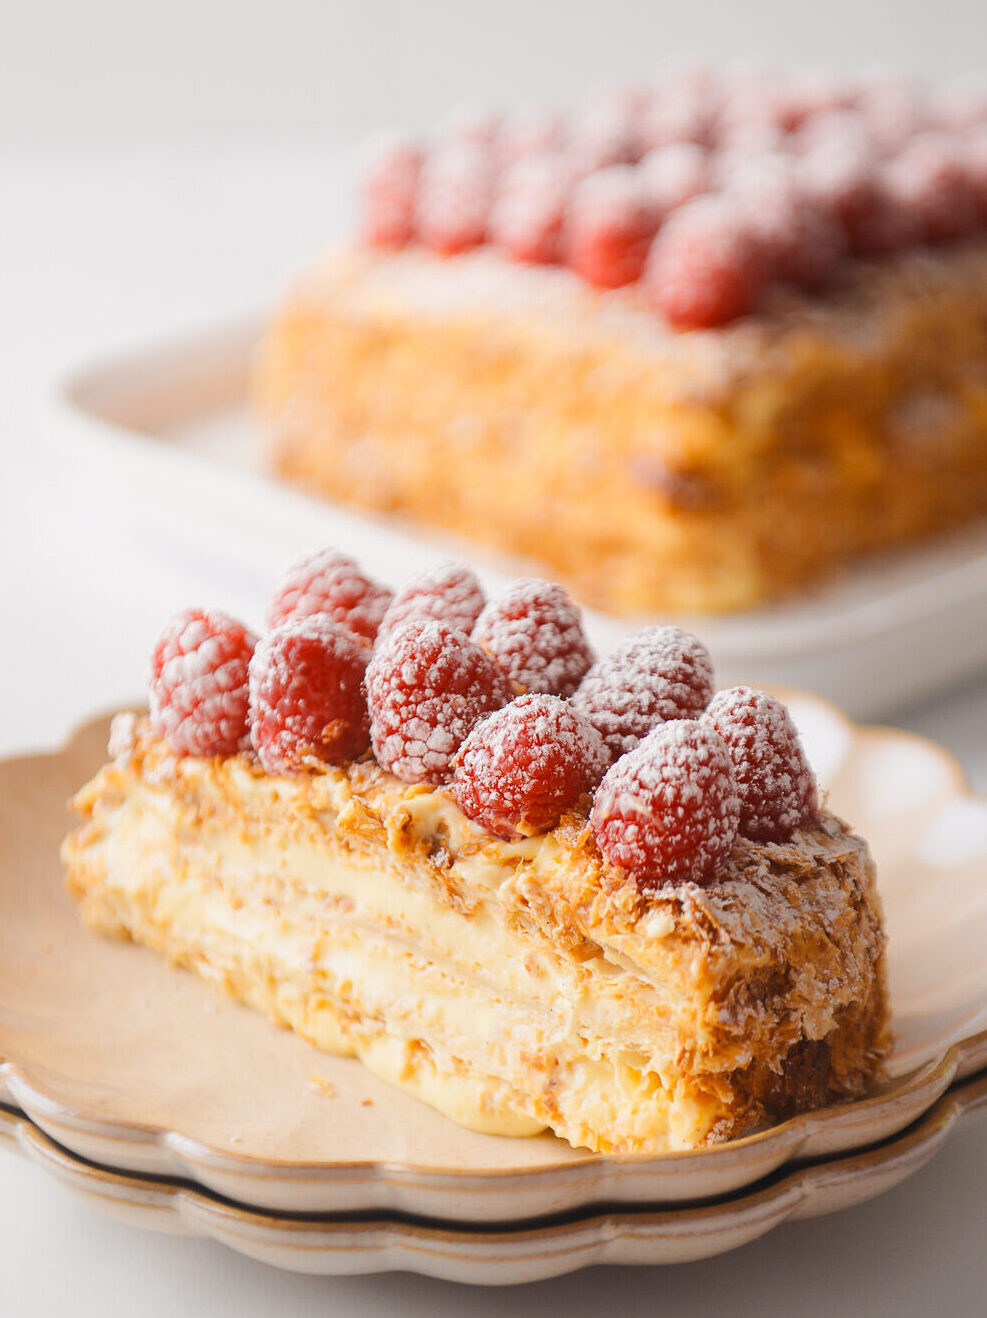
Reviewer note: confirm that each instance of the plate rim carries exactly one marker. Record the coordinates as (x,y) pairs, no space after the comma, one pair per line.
(791,1193)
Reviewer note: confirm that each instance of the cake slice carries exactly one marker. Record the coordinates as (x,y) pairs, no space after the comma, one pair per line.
(698,370)
(507,938)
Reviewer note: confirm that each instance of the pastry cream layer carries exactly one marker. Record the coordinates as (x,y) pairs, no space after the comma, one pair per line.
(507,984)
(650,469)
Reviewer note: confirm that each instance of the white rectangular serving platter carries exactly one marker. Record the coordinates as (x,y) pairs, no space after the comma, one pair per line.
(169,425)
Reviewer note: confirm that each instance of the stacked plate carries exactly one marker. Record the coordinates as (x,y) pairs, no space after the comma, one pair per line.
(144,1090)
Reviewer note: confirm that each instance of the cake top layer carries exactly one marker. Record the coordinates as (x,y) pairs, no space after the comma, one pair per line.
(706,192)
(868,312)
(500,702)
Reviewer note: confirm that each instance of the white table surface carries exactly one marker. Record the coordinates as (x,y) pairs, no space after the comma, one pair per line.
(103,246)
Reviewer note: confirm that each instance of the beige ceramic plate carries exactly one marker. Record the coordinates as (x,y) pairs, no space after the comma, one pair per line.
(137,1066)
(520,1254)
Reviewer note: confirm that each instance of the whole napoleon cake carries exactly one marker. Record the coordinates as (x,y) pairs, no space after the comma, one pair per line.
(529,888)
(708,341)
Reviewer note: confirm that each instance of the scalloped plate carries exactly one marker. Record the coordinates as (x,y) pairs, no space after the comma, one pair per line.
(133,1065)
(531,1252)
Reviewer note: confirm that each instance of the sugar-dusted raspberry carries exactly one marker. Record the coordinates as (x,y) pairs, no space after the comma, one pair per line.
(962,104)
(450,593)
(930,179)
(530,210)
(535,633)
(894,108)
(672,175)
(753,116)
(472,125)
(198,685)
(800,242)
(811,94)
(602,135)
(658,674)
(839,170)
(455,194)
(390,193)
(676,115)
(427,687)
(306,695)
(668,811)
(329,582)
(705,268)
(521,768)
(538,133)
(776,787)
(886,223)
(609,227)
(975,162)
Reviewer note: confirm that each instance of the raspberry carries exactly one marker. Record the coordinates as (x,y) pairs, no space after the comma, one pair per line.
(390,193)
(810,95)
(753,117)
(930,180)
(472,125)
(529,213)
(534,632)
(520,769)
(975,156)
(962,104)
(894,109)
(605,134)
(839,172)
(705,268)
(329,582)
(668,811)
(799,242)
(306,695)
(609,227)
(450,594)
(538,134)
(776,787)
(454,198)
(674,116)
(198,685)
(658,674)
(673,175)
(885,225)
(427,686)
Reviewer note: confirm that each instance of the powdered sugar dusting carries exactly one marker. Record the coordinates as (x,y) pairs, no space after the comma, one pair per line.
(776,786)
(523,766)
(122,742)
(331,583)
(659,673)
(535,633)
(450,593)
(198,685)
(306,695)
(427,686)
(669,810)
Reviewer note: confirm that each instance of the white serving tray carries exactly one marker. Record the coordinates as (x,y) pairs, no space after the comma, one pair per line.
(172,422)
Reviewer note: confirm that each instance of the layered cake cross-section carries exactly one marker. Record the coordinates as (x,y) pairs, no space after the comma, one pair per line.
(708,341)
(531,889)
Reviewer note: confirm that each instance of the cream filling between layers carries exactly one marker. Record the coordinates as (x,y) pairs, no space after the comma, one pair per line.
(498,1031)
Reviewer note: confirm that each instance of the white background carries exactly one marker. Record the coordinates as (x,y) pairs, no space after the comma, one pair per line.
(164,164)
(125,66)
